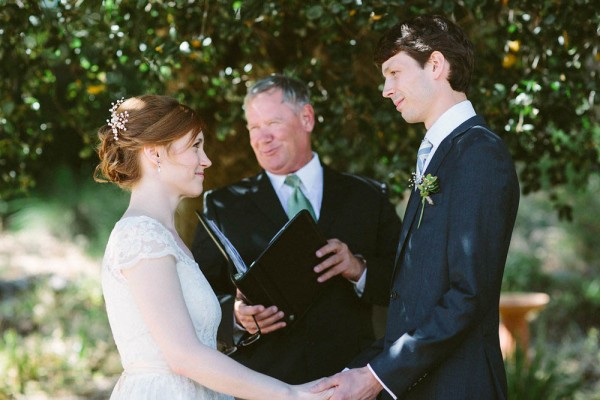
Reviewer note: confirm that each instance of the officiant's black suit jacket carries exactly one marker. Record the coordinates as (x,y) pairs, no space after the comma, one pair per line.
(441,339)
(354,210)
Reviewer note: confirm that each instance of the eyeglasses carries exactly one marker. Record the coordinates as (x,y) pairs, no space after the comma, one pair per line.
(244,341)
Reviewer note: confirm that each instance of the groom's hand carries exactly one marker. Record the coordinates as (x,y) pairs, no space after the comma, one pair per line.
(352,384)
(268,319)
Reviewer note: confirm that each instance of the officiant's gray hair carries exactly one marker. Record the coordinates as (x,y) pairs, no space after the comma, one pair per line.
(294,91)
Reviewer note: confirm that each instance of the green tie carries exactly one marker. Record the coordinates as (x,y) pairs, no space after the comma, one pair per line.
(297,200)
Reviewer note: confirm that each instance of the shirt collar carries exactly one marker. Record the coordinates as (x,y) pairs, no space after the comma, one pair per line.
(449,121)
(311,175)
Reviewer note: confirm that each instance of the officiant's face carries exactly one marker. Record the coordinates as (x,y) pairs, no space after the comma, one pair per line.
(279,132)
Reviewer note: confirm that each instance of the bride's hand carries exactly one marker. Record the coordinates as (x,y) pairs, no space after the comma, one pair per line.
(305,391)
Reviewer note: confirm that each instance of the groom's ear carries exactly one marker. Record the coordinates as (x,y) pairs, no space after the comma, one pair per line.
(438,65)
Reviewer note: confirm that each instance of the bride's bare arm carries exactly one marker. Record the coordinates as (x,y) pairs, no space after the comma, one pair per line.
(157,292)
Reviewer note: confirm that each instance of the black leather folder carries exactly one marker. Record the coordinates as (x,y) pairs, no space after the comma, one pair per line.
(283,274)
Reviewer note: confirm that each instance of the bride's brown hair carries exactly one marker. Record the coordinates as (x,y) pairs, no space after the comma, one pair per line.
(149,120)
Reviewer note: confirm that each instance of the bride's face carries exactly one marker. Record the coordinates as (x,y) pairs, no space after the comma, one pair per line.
(182,169)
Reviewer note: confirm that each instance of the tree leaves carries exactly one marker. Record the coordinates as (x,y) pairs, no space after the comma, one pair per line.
(536,79)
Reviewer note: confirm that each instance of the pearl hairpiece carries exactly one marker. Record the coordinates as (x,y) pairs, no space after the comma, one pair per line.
(117,120)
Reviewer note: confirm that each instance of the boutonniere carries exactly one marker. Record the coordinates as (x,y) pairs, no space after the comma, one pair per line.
(427,185)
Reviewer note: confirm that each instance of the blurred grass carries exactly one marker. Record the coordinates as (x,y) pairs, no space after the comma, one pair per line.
(55,340)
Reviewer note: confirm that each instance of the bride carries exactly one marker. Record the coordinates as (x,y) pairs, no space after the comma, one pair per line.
(162,312)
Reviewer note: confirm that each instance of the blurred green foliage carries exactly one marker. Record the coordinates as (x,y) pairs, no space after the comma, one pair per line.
(560,258)
(538,378)
(70,207)
(64,61)
(54,340)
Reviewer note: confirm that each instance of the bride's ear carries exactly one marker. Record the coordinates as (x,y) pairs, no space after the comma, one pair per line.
(151,155)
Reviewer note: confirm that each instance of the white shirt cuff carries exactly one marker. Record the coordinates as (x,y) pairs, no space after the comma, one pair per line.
(359,286)
(381,382)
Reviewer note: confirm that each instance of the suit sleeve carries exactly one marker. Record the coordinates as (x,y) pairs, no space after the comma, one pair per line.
(481,200)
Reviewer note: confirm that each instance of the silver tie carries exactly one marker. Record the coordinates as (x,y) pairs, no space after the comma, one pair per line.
(422,155)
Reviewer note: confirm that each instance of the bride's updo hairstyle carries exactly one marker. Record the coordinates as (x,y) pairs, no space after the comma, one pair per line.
(135,123)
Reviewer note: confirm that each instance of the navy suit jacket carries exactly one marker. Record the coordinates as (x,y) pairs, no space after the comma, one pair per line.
(441,339)
(354,210)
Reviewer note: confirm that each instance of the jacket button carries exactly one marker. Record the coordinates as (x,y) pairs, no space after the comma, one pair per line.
(393,295)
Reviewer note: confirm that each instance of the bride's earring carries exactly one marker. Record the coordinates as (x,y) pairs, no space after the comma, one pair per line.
(158,163)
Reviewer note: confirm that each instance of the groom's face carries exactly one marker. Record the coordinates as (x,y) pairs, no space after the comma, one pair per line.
(409,86)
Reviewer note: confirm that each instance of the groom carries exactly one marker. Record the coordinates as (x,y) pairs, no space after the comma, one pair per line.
(441,339)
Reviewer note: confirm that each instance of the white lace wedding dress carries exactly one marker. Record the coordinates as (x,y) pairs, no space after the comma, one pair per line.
(146,375)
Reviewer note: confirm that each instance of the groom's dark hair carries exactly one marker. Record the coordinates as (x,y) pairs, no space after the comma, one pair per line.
(421,36)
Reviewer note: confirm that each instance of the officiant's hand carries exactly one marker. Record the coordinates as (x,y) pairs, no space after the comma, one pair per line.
(341,261)
(269,319)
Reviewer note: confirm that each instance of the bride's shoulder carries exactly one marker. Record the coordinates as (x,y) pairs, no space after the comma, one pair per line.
(138,222)
(135,238)
(133,232)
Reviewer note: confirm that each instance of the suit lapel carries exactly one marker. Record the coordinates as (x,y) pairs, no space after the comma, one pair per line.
(264,197)
(446,144)
(440,154)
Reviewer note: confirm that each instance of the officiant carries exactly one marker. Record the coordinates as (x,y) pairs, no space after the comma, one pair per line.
(352,212)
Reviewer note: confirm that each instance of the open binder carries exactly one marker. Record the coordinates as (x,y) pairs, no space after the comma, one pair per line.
(283,273)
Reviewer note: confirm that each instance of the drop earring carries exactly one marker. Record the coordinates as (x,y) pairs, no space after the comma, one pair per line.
(158,163)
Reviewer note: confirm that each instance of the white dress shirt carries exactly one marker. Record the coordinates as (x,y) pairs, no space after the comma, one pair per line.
(311,184)
(445,124)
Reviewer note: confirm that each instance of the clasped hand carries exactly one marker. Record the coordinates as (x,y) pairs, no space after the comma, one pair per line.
(351,384)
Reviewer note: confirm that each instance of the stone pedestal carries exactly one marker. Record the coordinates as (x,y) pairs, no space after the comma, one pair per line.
(516,310)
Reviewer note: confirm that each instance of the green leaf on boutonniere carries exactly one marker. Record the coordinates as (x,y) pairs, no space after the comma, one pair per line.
(428,185)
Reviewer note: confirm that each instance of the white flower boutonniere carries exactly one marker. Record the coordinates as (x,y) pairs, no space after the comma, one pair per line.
(427,185)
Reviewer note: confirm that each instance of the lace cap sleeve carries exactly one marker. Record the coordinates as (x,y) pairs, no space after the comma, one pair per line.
(134,239)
